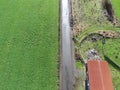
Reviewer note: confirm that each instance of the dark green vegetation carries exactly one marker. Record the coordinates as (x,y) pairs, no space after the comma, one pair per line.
(116,7)
(94,20)
(28,44)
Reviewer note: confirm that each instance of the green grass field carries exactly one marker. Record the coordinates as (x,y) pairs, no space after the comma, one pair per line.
(111,49)
(28,44)
(116,7)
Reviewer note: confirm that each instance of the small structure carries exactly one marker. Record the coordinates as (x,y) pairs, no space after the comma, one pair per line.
(92,55)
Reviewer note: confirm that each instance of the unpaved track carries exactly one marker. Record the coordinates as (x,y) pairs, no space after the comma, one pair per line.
(67,63)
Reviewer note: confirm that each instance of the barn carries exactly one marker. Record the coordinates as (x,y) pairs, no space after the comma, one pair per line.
(98,75)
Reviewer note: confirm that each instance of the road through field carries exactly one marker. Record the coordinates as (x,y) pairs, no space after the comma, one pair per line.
(67,63)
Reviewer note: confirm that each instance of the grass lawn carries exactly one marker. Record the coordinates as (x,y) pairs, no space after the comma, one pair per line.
(111,49)
(28,44)
(116,7)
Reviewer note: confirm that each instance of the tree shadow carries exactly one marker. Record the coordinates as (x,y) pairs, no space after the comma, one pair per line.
(112,63)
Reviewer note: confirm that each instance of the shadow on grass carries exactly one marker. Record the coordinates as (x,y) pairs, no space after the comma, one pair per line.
(112,63)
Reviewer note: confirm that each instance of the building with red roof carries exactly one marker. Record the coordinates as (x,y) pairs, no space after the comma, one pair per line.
(98,75)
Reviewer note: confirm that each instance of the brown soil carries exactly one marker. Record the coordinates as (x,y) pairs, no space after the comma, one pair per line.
(109,34)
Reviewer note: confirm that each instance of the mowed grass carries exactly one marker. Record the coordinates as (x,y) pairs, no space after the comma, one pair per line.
(116,7)
(28,44)
(111,49)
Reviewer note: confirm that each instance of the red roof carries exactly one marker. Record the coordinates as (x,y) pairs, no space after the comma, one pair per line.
(99,75)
